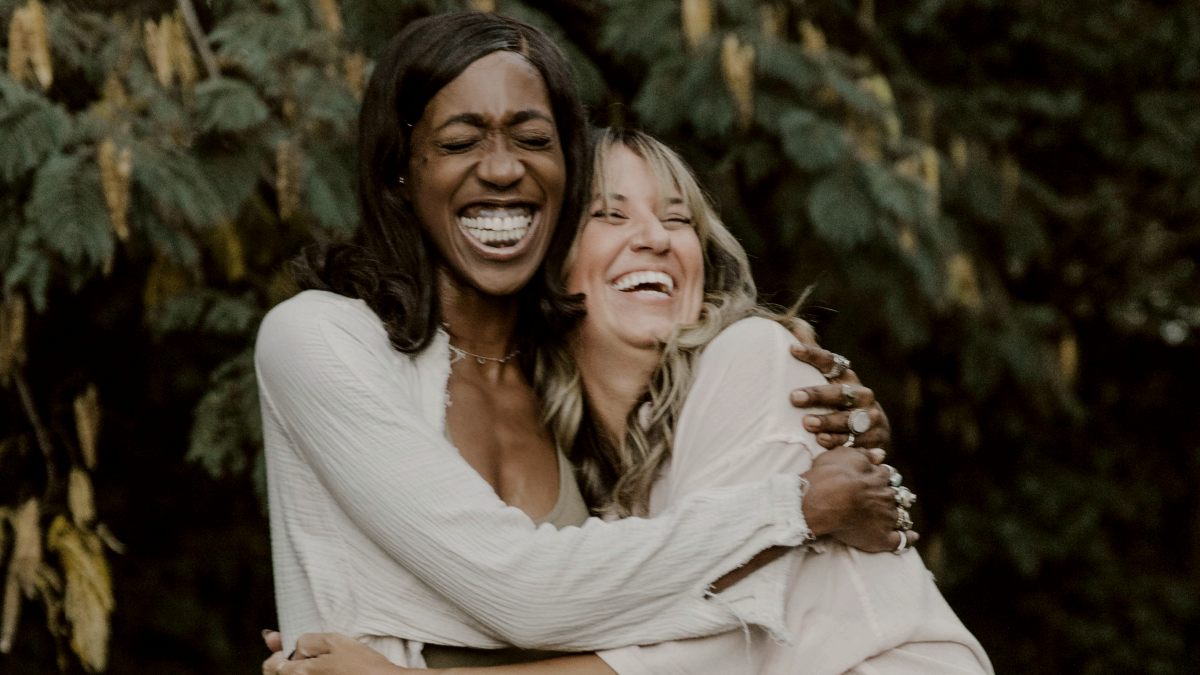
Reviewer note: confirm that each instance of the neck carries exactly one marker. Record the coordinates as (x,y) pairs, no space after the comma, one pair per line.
(614,377)
(477,322)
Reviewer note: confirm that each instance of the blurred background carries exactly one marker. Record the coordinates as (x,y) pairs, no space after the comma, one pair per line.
(996,203)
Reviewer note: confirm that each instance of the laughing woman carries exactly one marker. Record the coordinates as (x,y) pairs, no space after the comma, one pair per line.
(415,496)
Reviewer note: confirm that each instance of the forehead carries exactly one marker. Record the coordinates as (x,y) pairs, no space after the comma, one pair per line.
(494,88)
(628,175)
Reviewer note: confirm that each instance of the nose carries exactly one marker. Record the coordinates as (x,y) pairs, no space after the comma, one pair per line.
(650,236)
(500,168)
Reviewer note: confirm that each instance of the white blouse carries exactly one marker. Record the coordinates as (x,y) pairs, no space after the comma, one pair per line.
(380,530)
(847,611)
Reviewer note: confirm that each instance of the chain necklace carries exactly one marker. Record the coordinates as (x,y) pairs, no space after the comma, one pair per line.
(460,353)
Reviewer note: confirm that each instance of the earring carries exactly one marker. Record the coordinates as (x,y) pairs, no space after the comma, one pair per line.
(400,180)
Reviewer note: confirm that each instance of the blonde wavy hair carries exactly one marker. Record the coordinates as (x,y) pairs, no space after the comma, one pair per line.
(616,474)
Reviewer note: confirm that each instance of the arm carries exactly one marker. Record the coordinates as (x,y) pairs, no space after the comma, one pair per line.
(333,654)
(737,425)
(356,424)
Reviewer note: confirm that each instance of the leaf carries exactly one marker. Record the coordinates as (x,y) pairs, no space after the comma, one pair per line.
(88,600)
(87,423)
(12,336)
(841,210)
(227,430)
(812,143)
(80,500)
(31,129)
(68,212)
(329,191)
(23,568)
(177,186)
(226,105)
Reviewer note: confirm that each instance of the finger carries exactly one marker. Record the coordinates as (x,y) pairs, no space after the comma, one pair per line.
(817,357)
(833,396)
(312,644)
(874,438)
(272,665)
(876,455)
(273,639)
(831,441)
(912,536)
(803,331)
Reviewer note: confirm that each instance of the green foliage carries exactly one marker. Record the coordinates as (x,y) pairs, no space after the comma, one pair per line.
(1000,199)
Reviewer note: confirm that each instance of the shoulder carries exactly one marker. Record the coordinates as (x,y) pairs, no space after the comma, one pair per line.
(750,338)
(313,323)
(758,348)
(314,307)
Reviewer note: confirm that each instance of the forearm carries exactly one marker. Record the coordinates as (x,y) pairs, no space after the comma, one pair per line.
(582,664)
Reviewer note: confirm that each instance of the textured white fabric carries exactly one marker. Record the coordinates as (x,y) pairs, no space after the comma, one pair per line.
(379,528)
(845,606)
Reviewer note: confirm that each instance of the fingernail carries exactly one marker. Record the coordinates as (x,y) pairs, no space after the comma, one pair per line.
(824,438)
(811,422)
(799,349)
(800,397)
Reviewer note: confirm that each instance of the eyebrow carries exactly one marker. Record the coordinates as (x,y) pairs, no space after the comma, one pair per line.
(617,197)
(477,120)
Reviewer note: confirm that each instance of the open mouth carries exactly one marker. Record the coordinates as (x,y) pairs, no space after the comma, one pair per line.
(645,281)
(497,227)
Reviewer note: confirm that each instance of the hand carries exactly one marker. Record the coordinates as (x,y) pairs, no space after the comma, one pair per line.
(849,499)
(330,654)
(833,429)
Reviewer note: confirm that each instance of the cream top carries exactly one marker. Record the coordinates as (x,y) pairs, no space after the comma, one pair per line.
(380,530)
(847,611)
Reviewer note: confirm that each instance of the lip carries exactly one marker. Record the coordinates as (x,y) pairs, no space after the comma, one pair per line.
(510,252)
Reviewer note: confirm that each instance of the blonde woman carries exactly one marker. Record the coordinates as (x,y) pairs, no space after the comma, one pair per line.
(668,386)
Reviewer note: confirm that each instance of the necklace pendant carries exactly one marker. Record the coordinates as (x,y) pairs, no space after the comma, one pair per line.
(480,360)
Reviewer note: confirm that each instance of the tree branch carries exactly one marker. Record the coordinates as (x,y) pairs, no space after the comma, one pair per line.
(39,429)
(188,10)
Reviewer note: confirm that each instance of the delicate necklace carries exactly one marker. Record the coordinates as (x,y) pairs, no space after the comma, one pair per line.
(460,353)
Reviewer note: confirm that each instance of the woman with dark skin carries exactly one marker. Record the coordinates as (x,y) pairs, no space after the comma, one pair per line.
(471,154)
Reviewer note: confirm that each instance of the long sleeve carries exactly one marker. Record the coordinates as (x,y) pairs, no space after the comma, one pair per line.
(346,411)
(842,606)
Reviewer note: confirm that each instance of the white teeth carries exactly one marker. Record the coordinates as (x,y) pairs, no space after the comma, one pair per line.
(498,227)
(634,279)
(511,221)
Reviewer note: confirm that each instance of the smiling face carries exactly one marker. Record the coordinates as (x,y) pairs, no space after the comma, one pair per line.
(487,173)
(638,257)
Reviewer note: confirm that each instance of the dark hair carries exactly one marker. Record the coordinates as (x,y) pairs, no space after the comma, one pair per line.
(390,262)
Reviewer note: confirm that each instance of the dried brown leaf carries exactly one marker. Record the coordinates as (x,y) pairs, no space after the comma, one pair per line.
(116,166)
(23,568)
(183,62)
(88,599)
(87,423)
(38,42)
(12,336)
(963,284)
(158,50)
(737,65)
(80,500)
(697,16)
(331,15)
(287,178)
(813,39)
(18,46)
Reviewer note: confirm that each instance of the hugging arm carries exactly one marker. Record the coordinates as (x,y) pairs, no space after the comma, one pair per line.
(337,397)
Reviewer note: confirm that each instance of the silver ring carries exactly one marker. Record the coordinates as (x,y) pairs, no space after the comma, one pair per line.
(859,421)
(849,441)
(903,543)
(840,365)
(849,396)
(904,521)
(904,497)
(894,477)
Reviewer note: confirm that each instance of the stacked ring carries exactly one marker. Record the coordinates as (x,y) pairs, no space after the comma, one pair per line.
(903,543)
(894,477)
(905,498)
(859,420)
(840,365)
(903,520)
(850,398)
